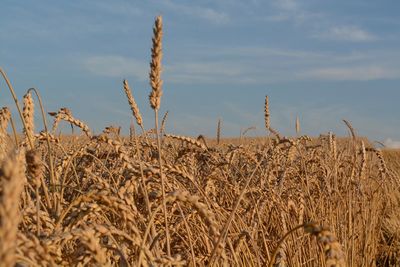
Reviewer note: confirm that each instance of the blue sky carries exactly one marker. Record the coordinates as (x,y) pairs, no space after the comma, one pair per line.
(321,60)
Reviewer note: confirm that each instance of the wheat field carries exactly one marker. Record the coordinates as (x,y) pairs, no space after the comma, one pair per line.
(158,199)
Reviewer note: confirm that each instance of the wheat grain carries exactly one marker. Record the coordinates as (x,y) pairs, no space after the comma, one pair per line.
(12,175)
(219,131)
(65,114)
(5,116)
(187,140)
(266,114)
(155,65)
(28,113)
(132,104)
(333,251)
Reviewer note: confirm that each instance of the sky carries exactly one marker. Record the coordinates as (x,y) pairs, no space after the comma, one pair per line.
(323,61)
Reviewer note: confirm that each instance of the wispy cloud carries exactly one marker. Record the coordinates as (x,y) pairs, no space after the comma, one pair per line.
(290,10)
(116,66)
(355,73)
(203,72)
(286,4)
(347,33)
(214,65)
(124,8)
(205,13)
(392,143)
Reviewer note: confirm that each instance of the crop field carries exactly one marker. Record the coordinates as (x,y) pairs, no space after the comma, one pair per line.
(154,198)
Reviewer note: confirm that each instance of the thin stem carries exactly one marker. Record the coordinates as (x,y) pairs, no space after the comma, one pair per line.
(51,164)
(146,233)
(146,196)
(37,210)
(271,263)
(143,185)
(162,183)
(224,233)
(16,103)
(14,131)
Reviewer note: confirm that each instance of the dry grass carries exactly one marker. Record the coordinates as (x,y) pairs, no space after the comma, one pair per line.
(178,201)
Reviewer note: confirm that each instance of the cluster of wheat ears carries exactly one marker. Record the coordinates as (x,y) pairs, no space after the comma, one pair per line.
(155,199)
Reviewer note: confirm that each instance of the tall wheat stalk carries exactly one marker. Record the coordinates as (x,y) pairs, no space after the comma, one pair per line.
(136,114)
(155,100)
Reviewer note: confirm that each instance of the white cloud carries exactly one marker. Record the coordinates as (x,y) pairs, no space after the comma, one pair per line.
(116,66)
(355,73)
(392,143)
(347,33)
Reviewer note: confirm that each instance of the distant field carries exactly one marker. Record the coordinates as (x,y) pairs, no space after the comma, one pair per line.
(159,199)
(392,157)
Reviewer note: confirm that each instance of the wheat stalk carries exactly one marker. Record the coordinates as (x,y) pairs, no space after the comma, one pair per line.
(155,101)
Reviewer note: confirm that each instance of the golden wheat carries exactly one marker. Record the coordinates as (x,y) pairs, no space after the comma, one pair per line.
(118,201)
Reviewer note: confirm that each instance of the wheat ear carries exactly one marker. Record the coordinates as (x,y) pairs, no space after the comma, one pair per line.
(352,131)
(5,116)
(266,113)
(334,256)
(219,131)
(132,104)
(12,175)
(297,125)
(28,113)
(10,87)
(155,65)
(35,170)
(267,119)
(66,115)
(187,140)
(163,122)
